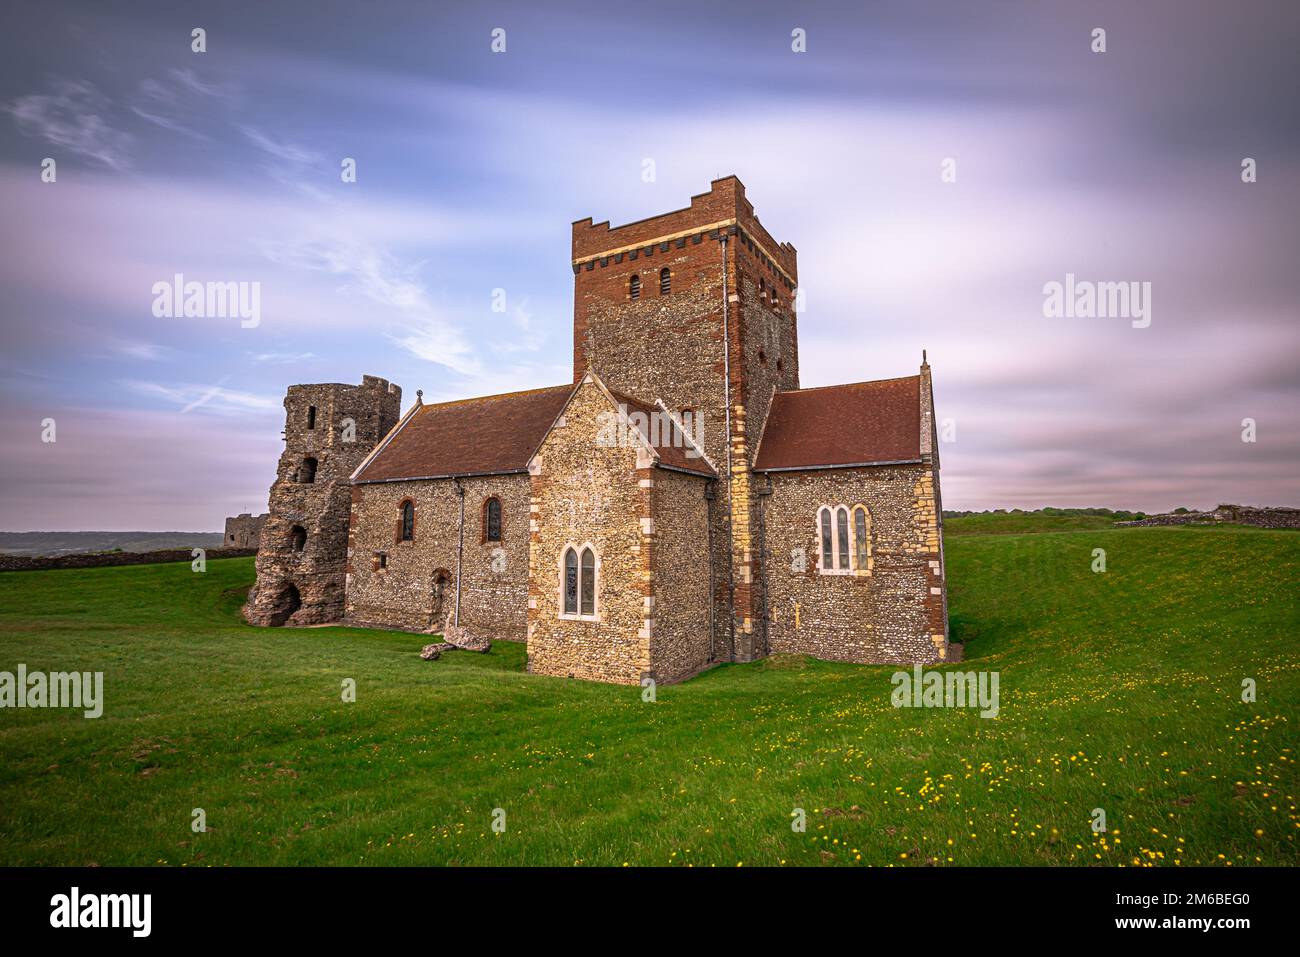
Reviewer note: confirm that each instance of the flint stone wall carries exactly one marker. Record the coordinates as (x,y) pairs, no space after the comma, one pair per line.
(406,595)
(894,613)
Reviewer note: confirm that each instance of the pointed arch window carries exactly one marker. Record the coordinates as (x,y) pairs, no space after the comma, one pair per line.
(579,581)
(634,287)
(571,581)
(862,538)
(665,281)
(842,538)
(587,578)
(828,546)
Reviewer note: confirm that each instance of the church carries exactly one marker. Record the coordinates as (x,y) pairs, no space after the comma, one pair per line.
(680,503)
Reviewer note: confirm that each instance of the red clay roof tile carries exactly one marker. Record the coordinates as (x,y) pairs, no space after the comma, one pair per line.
(675,449)
(490,434)
(854,424)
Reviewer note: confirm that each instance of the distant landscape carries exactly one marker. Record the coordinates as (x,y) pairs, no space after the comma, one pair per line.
(1014,520)
(72,543)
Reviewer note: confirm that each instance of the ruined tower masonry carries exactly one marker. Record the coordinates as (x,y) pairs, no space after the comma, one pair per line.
(303,553)
(720,345)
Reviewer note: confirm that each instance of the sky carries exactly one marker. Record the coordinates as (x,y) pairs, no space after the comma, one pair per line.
(937,166)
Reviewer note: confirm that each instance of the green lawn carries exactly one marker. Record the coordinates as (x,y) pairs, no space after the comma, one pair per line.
(1119,691)
(993,523)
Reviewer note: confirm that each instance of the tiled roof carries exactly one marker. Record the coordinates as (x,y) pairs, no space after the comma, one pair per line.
(491,434)
(856,424)
(672,449)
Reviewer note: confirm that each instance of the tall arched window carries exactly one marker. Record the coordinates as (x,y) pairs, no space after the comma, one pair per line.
(842,537)
(307,472)
(570,581)
(408,522)
(492,520)
(827,546)
(861,537)
(588,577)
(665,281)
(634,287)
(578,582)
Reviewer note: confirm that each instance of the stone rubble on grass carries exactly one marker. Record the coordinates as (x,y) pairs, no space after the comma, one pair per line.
(460,638)
(455,638)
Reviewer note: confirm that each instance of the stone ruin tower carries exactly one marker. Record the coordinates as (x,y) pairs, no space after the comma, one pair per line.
(302,558)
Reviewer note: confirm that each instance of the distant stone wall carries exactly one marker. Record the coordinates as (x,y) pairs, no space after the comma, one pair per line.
(244,530)
(1230,514)
(1183,518)
(1260,517)
(23,563)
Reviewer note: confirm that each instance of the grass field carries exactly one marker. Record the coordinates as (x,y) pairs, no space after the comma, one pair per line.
(1120,691)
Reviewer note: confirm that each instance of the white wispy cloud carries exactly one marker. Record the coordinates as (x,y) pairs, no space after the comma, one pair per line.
(143,350)
(281,358)
(190,81)
(168,124)
(73,116)
(217,398)
(380,277)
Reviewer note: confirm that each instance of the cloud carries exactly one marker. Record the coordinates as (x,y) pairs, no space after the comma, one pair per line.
(216,398)
(281,357)
(190,81)
(127,469)
(72,116)
(380,277)
(168,124)
(144,350)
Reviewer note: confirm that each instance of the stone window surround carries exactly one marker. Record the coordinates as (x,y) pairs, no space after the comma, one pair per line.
(852,568)
(559,565)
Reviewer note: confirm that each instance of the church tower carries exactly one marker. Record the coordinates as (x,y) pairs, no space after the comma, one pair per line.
(695,308)
(302,558)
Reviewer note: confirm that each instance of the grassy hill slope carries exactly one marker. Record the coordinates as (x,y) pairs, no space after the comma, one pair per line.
(1119,691)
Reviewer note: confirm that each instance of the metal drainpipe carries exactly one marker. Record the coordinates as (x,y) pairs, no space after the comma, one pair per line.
(764,615)
(710,494)
(460,544)
(726,386)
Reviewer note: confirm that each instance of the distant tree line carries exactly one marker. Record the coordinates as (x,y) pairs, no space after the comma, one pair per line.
(1118,515)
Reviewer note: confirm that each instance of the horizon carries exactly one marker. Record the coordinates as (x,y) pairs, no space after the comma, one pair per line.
(948,512)
(1071,167)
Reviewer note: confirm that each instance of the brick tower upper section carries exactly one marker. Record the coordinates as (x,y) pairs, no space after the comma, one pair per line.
(648,303)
